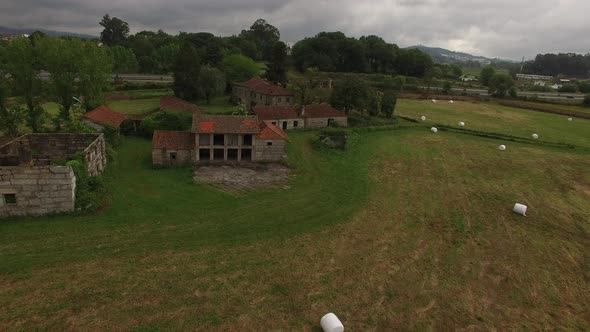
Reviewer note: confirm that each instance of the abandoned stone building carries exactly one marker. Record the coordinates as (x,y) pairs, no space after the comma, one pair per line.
(258,91)
(102,117)
(32,179)
(220,138)
(311,116)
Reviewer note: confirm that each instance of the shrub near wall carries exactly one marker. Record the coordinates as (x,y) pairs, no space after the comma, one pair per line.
(90,191)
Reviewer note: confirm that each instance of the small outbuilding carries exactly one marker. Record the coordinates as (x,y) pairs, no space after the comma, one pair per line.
(102,117)
(172,148)
(312,116)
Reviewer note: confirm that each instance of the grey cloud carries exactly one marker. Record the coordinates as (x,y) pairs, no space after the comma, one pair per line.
(502,28)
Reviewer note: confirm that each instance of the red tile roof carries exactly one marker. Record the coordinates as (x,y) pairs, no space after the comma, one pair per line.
(322,111)
(263,86)
(176,104)
(225,124)
(105,116)
(276,112)
(296,112)
(271,132)
(174,140)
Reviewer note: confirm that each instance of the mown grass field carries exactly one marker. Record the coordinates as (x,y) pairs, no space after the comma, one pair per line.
(499,119)
(404,230)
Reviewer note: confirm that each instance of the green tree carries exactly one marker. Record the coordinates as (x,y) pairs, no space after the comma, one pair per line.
(115,31)
(163,58)
(586,101)
(239,68)
(240,109)
(305,85)
(95,66)
(513,92)
(124,60)
(11,119)
(350,94)
(374,103)
(277,69)
(500,84)
(396,83)
(486,75)
(388,103)
(447,87)
(456,71)
(211,82)
(187,68)
(23,71)
(584,86)
(264,35)
(568,88)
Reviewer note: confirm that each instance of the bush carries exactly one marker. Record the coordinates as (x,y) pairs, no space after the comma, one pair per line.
(586,101)
(90,191)
(584,86)
(447,87)
(568,88)
(166,121)
(513,93)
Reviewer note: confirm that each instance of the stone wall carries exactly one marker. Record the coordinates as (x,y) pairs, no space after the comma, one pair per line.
(45,149)
(163,157)
(38,190)
(273,152)
(290,123)
(315,123)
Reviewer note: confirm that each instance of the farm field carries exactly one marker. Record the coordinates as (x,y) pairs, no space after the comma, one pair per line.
(404,230)
(219,105)
(499,119)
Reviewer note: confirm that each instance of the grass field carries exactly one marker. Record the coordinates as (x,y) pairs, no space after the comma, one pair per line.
(135,106)
(219,105)
(499,119)
(404,230)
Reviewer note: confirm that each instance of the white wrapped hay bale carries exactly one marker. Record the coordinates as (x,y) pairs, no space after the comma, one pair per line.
(331,323)
(570,119)
(434,101)
(423,118)
(535,136)
(502,147)
(461,124)
(451,101)
(434,130)
(520,209)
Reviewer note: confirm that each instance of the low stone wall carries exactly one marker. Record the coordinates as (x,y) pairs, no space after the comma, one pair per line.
(37,190)
(265,152)
(95,156)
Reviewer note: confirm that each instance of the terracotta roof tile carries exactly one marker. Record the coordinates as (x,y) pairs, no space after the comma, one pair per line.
(175,140)
(105,116)
(271,132)
(276,112)
(176,104)
(225,124)
(322,111)
(263,86)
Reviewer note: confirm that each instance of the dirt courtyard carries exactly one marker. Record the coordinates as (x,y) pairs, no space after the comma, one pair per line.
(243,177)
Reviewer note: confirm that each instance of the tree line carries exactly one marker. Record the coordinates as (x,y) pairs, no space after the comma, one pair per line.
(549,64)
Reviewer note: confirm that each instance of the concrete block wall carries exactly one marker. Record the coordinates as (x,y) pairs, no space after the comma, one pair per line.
(265,152)
(38,190)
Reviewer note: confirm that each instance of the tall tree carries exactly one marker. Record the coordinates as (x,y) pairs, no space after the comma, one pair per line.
(11,119)
(277,70)
(115,31)
(211,82)
(486,75)
(351,94)
(95,66)
(23,71)
(187,68)
(264,35)
(124,60)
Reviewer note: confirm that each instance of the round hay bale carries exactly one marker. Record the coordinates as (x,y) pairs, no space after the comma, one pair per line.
(331,323)
(535,136)
(520,209)
(423,118)
(570,119)
(502,147)
(434,101)
(461,124)
(434,130)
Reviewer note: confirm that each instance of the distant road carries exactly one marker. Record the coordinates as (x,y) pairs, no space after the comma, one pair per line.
(131,78)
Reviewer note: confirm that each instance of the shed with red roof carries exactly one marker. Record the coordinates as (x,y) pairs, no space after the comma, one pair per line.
(102,117)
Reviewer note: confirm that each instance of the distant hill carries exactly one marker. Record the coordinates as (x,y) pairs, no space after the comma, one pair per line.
(441,55)
(28,31)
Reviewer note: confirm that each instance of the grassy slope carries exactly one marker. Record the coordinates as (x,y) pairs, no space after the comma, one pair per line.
(406,230)
(500,119)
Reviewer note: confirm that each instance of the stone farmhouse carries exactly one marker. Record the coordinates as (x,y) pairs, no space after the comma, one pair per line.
(30,182)
(102,117)
(219,138)
(258,91)
(311,116)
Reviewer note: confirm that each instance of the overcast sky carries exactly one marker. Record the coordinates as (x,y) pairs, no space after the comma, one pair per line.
(493,28)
